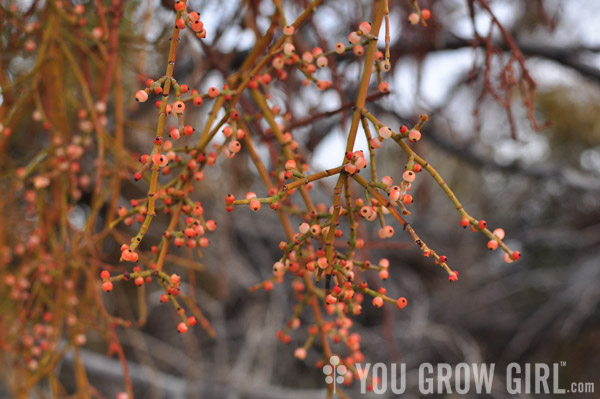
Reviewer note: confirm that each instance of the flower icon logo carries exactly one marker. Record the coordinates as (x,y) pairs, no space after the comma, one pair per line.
(334,373)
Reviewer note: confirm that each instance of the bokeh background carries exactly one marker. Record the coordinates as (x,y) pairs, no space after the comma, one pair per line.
(541,186)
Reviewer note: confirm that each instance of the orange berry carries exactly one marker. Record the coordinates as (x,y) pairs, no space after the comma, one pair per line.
(197,26)
(492,245)
(213,92)
(414,136)
(408,176)
(425,13)
(384,274)
(359,50)
(255,205)
(499,233)
(188,130)
(384,87)
(401,303)
(453,277)
(377,302)
(179,5)
(175,134)
(182,328)
(234,146)
(288,30)
(178,107)
(127,254)
(364,27)
(300,353)
(340,48)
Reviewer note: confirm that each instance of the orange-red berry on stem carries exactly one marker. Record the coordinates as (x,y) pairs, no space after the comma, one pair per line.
(179,5)
(401,303)
(255,205)
(377,302)
(107,286)
(453,277)
(384,87)
(213,92)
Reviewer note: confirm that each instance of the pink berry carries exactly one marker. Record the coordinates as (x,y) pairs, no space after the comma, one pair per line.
(414,136)
(288,30)
(384,87)
(175,134)
(322,62)
(290,165)
(234,146)
(385,132)
(413,18)
(340,48)
(289,49)
(408,176)
(300,353)
(365,27)
(141,96)
(377,302)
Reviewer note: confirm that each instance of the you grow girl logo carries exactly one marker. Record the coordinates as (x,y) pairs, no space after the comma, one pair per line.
(334,373)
